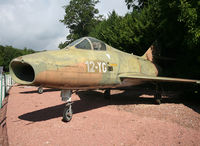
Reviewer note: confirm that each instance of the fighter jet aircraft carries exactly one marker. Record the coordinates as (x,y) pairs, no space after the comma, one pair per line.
(87,63)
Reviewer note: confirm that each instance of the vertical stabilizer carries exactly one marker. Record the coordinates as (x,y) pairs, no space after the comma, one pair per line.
(152,55)
(149,54)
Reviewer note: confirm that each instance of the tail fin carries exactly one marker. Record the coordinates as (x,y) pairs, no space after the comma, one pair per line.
(149,54)
(153,53)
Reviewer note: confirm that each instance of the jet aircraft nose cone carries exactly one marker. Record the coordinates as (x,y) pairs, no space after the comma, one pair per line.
(21,71)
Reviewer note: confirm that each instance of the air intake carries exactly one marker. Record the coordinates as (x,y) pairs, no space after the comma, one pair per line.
(21,72)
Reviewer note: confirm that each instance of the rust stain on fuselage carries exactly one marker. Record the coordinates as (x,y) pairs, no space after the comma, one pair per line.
(69,76)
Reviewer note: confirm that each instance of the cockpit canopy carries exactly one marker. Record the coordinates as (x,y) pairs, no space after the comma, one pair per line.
(88,43)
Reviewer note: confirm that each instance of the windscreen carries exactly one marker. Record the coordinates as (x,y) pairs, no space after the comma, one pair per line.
(75,42)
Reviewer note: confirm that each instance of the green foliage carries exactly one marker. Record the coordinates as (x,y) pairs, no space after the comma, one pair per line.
(81,16)
(173,24)
(110,30)
(178,34)
(62,45)
(178,20)
(7,53)
(115,31)
(133,33)
(189,15)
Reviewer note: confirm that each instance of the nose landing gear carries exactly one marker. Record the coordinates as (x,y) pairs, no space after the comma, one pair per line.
(67,113)
(40,90)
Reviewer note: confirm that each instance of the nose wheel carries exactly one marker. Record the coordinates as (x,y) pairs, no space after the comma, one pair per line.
(67,113)
(40,90)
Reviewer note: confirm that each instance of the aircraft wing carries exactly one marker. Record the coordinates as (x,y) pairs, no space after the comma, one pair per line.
(133,79)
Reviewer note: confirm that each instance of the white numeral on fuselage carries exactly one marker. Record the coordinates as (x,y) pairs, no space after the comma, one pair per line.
(96,67)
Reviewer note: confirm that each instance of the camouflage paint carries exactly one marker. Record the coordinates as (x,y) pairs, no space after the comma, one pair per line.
(73,68)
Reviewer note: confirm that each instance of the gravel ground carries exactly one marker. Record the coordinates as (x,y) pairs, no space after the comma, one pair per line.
(127,119)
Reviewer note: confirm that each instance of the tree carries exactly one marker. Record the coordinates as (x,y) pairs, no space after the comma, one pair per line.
(62,45)
(133,33)
(81,16)
(109,30)
(177,26)
(7,53)
(190,17)
(174,25)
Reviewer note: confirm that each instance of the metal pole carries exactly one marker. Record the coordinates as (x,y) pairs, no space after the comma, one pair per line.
(5,85)
(1,91)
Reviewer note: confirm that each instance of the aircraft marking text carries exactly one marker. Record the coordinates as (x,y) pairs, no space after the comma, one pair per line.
(96,66)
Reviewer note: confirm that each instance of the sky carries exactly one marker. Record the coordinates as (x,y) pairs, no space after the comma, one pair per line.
(35,23)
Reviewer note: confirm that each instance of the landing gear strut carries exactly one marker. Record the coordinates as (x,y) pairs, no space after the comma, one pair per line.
(107,94)
(157,95)
(158,98)
(67,113)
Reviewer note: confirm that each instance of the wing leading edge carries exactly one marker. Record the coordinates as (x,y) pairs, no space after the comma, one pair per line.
(132,79)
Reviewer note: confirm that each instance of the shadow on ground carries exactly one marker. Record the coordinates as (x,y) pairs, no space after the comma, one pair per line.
(94,99)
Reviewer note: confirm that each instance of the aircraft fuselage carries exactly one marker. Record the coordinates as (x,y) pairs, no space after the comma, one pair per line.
(73,68)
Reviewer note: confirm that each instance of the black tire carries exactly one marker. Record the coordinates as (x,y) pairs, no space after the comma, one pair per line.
(158,101)
(40,90)
(67,113)
(107,94)
(158,98)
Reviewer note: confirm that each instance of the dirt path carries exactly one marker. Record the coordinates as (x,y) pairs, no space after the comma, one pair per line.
(34,119)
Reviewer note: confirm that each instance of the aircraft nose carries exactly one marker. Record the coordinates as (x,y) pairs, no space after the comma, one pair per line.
(21,71)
